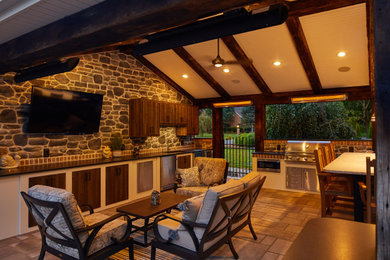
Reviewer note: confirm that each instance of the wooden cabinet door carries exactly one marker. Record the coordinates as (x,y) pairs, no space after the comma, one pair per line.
(193,120)
(144,118)
(150,118)
(184,161)
(168,114)
(86,187)
(54,180)
(117,183)
(182,114)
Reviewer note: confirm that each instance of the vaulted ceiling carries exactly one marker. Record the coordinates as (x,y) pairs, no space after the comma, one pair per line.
(327,33)
(306,45)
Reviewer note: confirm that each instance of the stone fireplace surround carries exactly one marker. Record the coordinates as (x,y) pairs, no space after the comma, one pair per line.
(117,76)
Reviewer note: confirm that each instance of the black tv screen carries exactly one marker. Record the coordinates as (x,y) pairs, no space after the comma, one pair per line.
(62,111)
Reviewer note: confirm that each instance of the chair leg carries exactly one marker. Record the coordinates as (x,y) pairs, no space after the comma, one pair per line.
(251,229)
(42,254)
(131,251)
(230,243)
(153,255)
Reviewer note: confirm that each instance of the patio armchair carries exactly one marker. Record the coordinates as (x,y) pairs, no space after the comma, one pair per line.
(210,220)
(206,172)
(67,234)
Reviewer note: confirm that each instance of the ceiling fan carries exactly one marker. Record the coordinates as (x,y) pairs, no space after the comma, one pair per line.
(219,62)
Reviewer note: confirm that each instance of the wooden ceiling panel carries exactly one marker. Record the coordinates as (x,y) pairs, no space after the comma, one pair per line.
(275,44)
(330,32)
(236,81)
(174,67)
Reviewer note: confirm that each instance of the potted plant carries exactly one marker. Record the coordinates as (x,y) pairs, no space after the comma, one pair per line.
(116,144)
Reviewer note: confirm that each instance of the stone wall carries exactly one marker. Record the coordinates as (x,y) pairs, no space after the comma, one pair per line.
(117,76)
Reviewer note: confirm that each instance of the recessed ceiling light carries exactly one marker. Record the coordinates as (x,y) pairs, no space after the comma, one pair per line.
(341,54)
(277,63)
(226,70)
(185,76)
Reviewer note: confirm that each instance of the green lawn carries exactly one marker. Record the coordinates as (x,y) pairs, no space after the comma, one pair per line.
(239,158)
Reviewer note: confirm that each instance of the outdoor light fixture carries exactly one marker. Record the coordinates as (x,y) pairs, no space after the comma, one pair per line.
(326,98)
(46,69)
(233,104)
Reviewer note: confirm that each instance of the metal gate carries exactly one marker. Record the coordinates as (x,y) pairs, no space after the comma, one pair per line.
(238,152)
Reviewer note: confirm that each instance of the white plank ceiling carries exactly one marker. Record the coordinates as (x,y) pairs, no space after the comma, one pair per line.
(18,17)
(327,33)
(338,30)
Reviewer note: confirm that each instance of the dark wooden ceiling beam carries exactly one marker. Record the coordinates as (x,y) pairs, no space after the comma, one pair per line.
(106,23)
(164,77)
(298,36)
(306,7)
(185,56)
(353,93)
(246,64)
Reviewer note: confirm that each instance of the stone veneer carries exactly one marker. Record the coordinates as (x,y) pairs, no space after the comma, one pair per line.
(117,76)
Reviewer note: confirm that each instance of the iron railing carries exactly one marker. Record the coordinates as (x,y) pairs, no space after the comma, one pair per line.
(238,152)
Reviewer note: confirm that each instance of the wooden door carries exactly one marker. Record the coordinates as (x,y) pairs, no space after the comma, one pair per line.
(86,187)
(167,114)
(117,183)
(54,180)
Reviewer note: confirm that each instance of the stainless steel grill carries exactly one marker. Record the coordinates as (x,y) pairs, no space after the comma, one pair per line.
(302,151)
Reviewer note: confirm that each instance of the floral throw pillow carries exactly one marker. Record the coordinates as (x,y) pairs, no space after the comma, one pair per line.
(189,177)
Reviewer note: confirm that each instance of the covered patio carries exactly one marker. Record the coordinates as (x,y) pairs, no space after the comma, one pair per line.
(155,64)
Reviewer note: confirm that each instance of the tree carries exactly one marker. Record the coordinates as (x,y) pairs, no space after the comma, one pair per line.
(309,121)
(205,121)
(227,114)
(248,117)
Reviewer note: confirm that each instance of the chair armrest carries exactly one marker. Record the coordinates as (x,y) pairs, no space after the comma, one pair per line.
(88,207)
(189,226)
(97,226)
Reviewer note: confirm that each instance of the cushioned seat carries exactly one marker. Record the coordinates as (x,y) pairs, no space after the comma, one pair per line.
(65,231)
(206,221)
(209,172)
(192,191)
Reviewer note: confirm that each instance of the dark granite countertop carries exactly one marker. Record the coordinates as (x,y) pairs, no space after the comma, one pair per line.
(73,164)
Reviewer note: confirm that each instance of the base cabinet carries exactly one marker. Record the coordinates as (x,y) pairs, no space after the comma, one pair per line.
(184,161)
(86,187)
(117,183)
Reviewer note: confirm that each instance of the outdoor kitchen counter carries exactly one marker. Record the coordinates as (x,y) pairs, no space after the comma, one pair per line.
(72,164)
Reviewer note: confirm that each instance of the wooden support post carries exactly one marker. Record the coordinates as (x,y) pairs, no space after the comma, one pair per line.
(381,12)
(218,145)
(260,121)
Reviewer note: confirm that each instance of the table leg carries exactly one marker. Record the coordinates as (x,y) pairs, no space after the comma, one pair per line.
(146,228)
(358,210)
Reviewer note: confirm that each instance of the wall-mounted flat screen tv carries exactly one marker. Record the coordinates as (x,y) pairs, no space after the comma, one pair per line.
(62,111)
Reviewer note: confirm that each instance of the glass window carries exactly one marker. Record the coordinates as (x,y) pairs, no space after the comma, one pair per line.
(328,120)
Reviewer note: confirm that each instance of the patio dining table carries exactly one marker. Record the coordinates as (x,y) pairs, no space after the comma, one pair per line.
(354,164)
